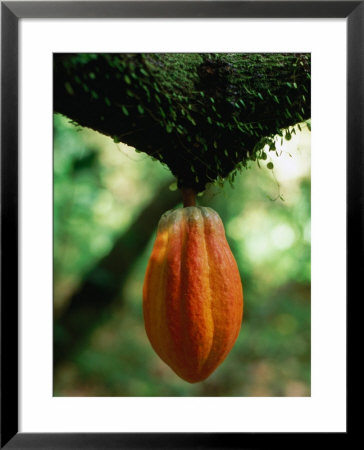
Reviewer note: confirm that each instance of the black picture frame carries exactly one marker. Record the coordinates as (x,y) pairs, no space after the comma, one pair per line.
(11,12)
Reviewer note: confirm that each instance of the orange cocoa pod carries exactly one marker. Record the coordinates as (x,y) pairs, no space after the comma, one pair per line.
(192,294)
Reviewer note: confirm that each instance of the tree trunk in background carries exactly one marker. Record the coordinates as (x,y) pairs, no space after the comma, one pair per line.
(90,305)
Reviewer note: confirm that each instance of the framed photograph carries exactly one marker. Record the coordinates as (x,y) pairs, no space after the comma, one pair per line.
(182,201)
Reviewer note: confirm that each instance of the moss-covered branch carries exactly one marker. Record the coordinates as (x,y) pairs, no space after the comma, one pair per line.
(203,115)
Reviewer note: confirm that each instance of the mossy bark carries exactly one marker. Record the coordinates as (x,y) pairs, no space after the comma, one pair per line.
(203,115)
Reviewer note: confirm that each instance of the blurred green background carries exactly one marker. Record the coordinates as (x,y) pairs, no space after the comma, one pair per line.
(101,187)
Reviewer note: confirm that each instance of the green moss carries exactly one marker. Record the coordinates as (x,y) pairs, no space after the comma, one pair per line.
(201,114)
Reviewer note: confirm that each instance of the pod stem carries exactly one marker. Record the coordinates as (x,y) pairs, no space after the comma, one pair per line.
(189,197)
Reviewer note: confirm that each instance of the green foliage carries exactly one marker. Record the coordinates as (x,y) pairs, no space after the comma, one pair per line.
(97,186)
(212,112)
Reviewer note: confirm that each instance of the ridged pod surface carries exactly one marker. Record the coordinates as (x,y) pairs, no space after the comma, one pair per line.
(192,294)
